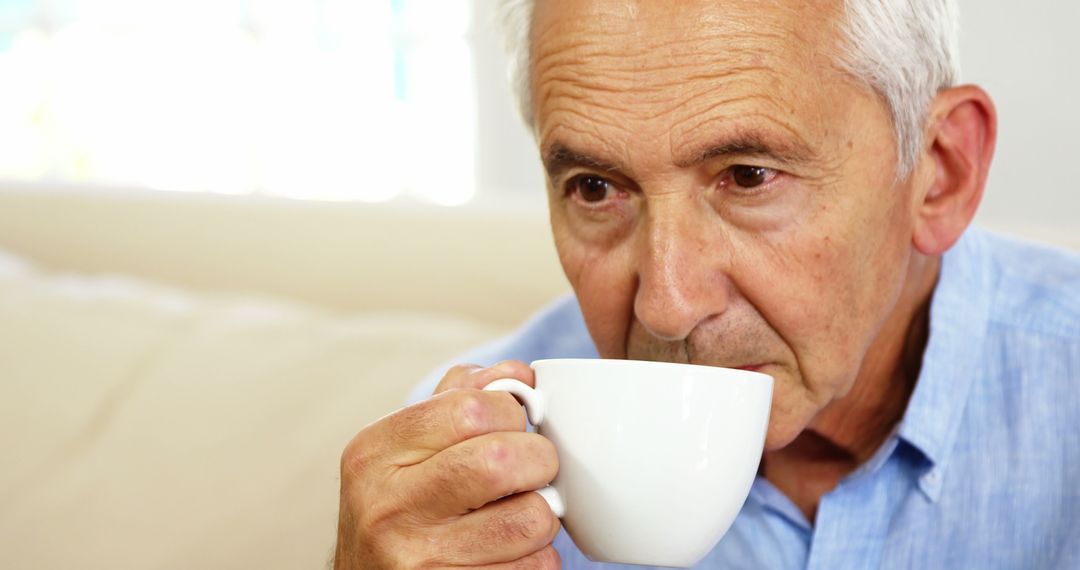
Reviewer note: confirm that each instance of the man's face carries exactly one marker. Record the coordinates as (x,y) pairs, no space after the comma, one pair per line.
(720,192)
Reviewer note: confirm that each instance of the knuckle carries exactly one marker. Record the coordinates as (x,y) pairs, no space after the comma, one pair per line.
(528,524)
(496,458)
(551,523)
(534,522)
(470,415)
(355,458)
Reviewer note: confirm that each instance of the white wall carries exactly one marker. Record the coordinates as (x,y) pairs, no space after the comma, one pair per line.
(1026,54)
(507,158)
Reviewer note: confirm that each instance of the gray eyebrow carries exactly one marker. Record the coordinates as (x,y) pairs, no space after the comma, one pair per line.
(747,145)
(559,158)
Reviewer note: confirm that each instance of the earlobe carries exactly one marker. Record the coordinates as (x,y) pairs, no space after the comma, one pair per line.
(960,143)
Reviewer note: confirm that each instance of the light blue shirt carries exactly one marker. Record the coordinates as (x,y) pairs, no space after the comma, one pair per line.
(984,469)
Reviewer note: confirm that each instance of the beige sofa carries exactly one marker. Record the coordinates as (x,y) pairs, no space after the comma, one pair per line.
(178,374)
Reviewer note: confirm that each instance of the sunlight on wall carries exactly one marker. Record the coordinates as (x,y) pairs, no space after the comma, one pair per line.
(331,99)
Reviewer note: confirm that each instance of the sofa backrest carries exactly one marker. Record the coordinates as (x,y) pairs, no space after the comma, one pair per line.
(497,264)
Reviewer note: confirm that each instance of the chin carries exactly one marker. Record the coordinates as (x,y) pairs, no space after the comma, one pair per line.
(781,433)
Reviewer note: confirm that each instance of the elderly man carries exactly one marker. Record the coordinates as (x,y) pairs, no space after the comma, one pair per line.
(782,186)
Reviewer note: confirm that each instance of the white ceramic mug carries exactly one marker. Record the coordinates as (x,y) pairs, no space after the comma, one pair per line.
(655,458)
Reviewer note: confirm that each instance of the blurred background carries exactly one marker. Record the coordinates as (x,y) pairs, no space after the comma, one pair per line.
(234,232)
(309,99)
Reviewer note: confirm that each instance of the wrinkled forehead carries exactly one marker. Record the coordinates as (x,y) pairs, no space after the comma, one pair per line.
(639,34)
(672,65)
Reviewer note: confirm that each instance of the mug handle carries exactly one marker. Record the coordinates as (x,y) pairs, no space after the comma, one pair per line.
(535,406)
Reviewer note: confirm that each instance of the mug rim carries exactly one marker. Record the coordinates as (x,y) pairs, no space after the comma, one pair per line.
(744,374)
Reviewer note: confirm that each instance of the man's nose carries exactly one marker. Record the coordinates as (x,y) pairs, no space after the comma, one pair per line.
(682,279)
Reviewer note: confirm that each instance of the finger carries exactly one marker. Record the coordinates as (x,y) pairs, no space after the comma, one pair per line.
(545,559)
(480,470)
(503,531)
(415,433)
(472,376)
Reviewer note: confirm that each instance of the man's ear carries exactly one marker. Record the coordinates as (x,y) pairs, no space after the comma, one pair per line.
(960,138)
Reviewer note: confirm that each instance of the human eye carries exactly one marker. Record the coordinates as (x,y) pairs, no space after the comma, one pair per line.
(591,190)
(749,179)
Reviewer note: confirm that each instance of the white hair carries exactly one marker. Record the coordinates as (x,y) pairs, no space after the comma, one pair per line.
(904,50)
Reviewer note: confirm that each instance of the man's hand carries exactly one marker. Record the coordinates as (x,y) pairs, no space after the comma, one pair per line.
(443,483)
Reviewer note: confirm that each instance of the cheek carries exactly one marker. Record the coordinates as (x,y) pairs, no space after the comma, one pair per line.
(828,301)
(800,282)
(840,275)
(605,286)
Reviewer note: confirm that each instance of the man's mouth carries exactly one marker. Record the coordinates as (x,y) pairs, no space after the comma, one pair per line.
(750,367)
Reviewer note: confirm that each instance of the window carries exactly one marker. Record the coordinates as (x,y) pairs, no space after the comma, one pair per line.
(319,99)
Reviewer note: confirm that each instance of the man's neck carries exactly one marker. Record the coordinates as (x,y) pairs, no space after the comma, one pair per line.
(847,432)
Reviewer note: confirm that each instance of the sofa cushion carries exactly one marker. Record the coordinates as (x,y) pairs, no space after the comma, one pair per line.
(149,427)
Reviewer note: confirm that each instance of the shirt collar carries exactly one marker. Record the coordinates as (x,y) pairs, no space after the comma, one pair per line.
(959,312)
